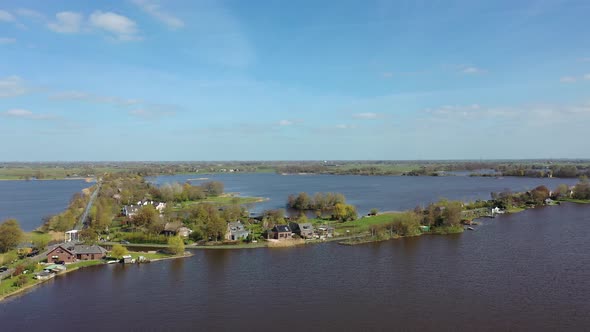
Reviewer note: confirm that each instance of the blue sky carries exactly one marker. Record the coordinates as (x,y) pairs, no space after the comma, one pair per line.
(292,80)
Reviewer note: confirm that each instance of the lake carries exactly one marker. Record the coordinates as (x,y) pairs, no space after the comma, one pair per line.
(30,201)
(385,193)
(520,272)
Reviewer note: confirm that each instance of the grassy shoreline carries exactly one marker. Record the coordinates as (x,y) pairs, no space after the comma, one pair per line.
(32,283)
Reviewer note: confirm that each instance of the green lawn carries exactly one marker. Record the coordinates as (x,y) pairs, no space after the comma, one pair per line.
(220,200)
(363,224)
(78,265)
(573,200)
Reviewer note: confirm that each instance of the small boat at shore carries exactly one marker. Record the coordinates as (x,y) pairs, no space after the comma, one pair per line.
(470,228)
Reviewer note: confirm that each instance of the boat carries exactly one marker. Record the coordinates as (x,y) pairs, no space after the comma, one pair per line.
(470,228)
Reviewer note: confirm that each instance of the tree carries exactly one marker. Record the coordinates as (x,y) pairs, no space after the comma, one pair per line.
(213,188)
(274,217)
(540,194)
(176,245)
(232,212)
(373,212)
(89,236)
(452,213)
(146,216)
(302,219)
(10,235)
(118,251)
(40,241)
(344,212)
(562,190)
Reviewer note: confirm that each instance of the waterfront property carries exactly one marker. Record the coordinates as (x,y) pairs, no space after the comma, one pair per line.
(280,232)
(325,231)
(61,254)
(304,230)
(176,228)
(236,231)
(70,254)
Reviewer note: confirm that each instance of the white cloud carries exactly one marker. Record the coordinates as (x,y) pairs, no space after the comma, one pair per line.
(120,26)
(387,74)
(366,115)
(587,77)
(12,86)
(153,9)
(4,40)
(6,16)
(26,114)
(568,79)
(67,22)
(285,123)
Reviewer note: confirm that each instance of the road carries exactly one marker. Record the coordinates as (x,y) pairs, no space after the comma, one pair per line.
(81,224)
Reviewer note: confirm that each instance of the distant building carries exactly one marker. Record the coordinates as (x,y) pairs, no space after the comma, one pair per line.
(236,231)
(176,228)
(131,210)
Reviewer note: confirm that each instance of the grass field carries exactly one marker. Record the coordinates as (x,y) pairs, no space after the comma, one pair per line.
(363,224)
(221,201)
(53,173)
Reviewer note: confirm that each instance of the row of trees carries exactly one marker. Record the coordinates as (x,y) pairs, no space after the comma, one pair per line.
(177,192)
(441,214)
(67,219)
(320,201)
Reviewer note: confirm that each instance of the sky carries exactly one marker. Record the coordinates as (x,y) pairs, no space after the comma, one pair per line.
(133,80)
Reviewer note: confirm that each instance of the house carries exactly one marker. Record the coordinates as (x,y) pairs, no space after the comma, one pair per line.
(159,206)
(325,231)
(280,232)
(85,253)
(71,254)
(305,230)
(61,254)
(72,236)
(130,210)
(236,231)
(176,228)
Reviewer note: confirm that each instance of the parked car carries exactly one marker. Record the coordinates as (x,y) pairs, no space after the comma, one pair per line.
(3,268)
(125,242)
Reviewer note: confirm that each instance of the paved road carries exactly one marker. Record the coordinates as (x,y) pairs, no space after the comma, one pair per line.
(82,222)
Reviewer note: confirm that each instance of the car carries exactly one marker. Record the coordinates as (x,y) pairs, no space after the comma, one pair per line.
(3,268)
(125,242)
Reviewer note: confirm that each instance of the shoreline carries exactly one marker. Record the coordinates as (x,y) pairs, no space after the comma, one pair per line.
(29,287)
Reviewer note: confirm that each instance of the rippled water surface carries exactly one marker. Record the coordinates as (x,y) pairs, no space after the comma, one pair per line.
(30,201)
(521,272)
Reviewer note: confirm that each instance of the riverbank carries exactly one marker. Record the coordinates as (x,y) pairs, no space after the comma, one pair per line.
(9,289)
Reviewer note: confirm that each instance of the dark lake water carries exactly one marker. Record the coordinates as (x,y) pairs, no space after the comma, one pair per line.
(366,192)
(521,272)
(30,201)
